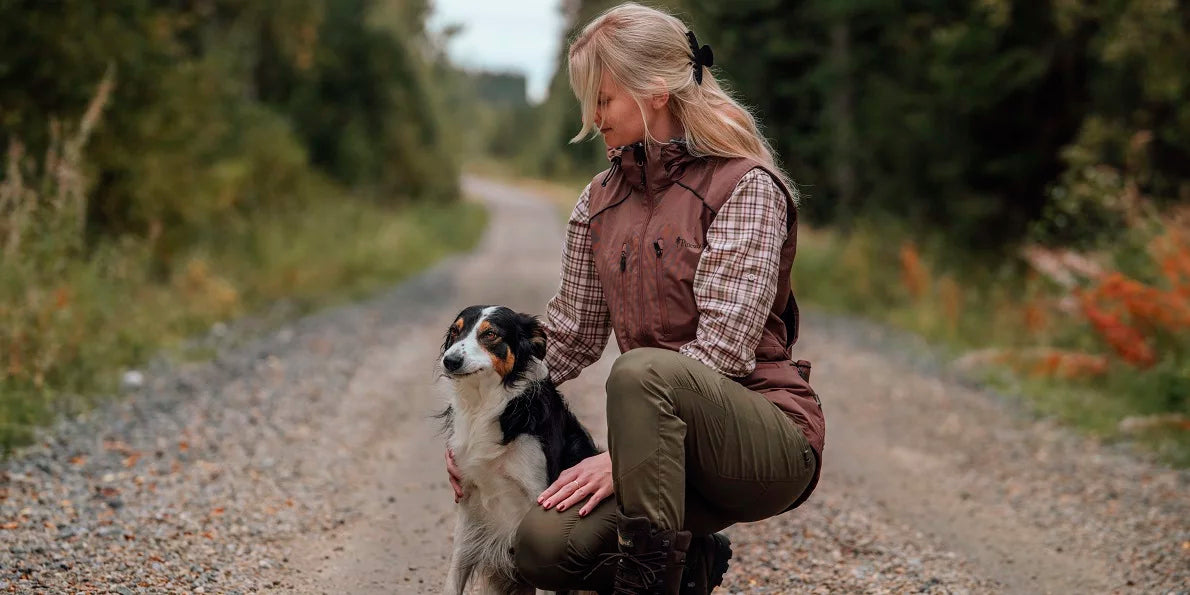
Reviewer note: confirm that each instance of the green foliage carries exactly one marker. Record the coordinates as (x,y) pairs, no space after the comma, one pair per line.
(198,160)
(219,106)
(973,118)
(67,333)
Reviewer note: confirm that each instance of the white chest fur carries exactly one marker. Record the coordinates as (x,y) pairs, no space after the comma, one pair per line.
(500,481)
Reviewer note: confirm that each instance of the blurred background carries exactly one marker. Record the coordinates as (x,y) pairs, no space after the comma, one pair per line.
(1009,179)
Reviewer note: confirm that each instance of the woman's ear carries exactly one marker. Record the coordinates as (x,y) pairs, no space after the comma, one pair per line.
(659,99)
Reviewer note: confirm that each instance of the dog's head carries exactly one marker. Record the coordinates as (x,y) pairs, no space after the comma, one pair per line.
(493,343)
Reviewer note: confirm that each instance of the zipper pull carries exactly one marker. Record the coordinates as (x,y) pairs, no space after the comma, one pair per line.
(624,258)
(638,153)
(657,247)
(610,172)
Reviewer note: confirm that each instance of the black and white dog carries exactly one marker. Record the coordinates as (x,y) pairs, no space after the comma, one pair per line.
(512,435)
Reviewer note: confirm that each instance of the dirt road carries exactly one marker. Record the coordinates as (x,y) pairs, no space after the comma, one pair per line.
(305,461)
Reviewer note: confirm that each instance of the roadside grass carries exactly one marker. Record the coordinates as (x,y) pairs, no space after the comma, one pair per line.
(1003,324)
(71,326)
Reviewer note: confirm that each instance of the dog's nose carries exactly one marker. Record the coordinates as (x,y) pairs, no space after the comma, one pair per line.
(452,361)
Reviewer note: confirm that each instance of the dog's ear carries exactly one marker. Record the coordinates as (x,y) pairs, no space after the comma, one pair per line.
(535,333)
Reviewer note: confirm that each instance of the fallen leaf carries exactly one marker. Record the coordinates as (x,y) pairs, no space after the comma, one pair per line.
(118,445)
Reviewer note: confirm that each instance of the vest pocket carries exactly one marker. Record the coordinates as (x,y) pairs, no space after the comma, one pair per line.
(675,287)
(659,280)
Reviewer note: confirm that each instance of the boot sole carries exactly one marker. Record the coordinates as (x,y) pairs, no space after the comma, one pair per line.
(722,555)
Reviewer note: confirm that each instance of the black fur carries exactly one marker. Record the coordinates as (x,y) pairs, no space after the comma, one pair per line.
(540,411)
(520,333)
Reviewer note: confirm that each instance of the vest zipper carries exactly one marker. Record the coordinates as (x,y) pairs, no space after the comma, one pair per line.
(659,249)
(623,284)
(641,162)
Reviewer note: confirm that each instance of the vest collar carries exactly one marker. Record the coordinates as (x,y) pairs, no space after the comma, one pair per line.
(651,166)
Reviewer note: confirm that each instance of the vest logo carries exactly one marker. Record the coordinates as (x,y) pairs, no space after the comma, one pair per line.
(688,244)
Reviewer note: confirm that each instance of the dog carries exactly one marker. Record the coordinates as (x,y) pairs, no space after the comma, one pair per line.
(512,435)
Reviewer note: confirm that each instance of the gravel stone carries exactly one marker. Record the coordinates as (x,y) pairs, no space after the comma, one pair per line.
(303,458)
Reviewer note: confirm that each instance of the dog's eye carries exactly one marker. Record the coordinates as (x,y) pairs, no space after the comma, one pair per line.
(489,334)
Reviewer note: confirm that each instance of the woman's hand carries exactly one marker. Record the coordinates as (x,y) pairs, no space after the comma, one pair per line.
(591,478)
(456,477)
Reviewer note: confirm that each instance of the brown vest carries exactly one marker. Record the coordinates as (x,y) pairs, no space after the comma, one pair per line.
(649,216)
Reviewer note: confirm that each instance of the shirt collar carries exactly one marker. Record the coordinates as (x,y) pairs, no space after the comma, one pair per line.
(650,167)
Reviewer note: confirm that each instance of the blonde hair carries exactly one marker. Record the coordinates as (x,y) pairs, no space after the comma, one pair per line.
(640,46)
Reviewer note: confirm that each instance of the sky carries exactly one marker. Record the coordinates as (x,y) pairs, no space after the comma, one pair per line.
(521,35)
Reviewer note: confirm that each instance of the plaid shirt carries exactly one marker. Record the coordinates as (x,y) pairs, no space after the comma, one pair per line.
(735,285)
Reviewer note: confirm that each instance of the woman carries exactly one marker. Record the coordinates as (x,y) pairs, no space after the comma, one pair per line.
(684,248)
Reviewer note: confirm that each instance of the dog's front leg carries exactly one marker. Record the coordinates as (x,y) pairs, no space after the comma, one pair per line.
(462,559)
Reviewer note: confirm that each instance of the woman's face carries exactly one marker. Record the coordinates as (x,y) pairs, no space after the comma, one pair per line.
(617,114)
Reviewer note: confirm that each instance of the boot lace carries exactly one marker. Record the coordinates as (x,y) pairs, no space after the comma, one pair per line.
(637,571)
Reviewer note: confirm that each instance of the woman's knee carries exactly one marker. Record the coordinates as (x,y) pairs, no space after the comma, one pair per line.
(635,372)
(554,551)
(540,546)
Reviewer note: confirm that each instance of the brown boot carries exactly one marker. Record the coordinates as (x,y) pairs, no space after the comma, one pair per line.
(651,560)
(706,562)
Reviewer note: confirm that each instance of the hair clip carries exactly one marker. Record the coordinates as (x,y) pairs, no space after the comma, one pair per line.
(702,56)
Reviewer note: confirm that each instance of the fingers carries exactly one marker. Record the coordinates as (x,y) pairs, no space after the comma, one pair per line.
(455,475)
(576,495)
(599,496)
(566,477)
(563,492)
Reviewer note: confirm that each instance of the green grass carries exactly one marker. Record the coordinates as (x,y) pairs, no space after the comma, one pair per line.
(72,326)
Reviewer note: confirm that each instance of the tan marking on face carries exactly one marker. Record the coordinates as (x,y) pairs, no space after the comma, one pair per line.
(503,366)
(459,325)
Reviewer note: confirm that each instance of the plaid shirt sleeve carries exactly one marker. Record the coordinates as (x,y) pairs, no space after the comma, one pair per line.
(736,279)
(577,320)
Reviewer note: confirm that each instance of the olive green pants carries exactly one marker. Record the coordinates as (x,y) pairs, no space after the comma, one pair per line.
(691,449)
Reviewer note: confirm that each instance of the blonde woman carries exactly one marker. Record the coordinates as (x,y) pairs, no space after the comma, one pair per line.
(683,247)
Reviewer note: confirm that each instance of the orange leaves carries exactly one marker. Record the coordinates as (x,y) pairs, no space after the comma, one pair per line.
(1128,314)
(1040,361)
(1125,340)
(1069,364)
(1171,251)
(914,275)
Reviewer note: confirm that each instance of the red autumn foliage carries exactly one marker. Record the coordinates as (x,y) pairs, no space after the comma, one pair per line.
(914,276)
(1128,313)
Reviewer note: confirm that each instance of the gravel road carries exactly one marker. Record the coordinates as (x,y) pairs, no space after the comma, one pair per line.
(304,460)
